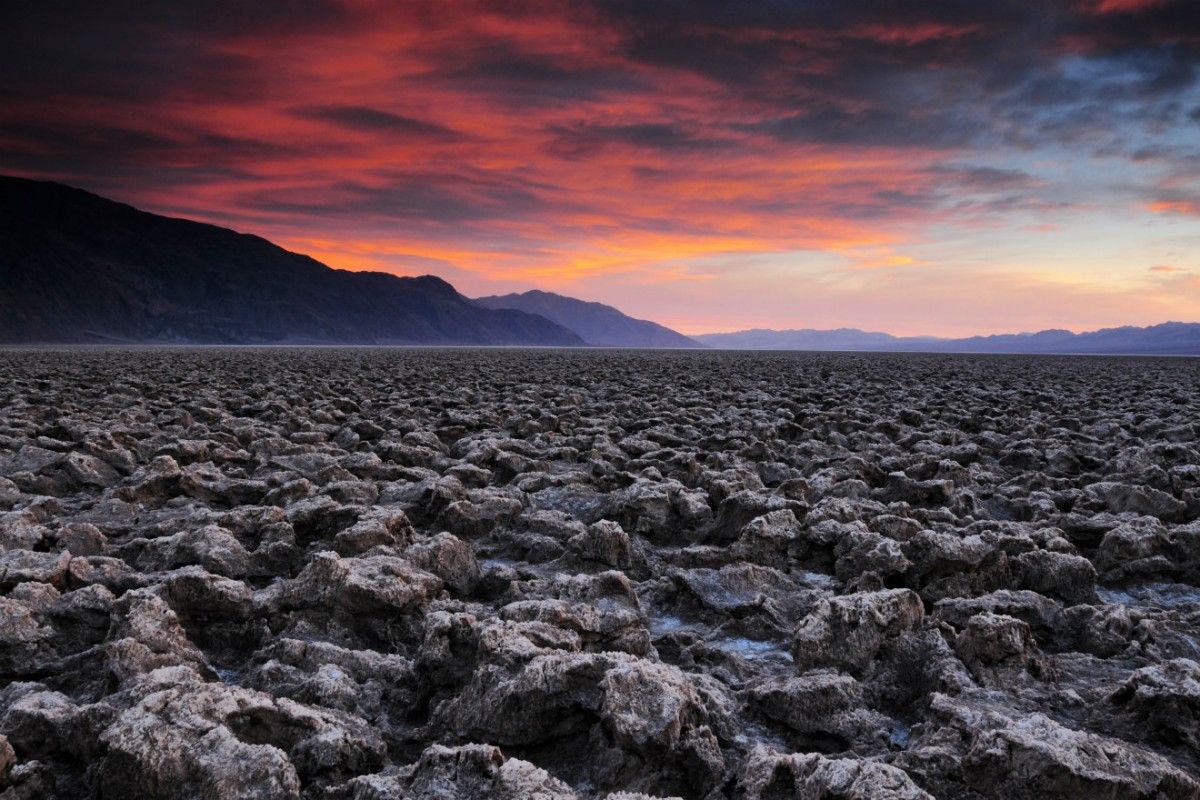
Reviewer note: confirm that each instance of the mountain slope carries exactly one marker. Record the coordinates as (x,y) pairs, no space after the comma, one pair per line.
(75,267)
(596,323)
(1169,338)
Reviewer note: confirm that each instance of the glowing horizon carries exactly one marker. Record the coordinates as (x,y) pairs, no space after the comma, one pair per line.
(944,170)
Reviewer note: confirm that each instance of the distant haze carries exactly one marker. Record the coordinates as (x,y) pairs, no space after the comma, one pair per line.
(1169,338)
(924,168)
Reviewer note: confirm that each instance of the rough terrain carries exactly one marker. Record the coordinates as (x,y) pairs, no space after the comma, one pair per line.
(481,574)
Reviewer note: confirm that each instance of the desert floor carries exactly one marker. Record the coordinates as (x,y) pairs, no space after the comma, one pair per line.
(378,573)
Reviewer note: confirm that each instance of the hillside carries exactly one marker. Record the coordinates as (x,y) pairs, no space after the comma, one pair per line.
(77,268)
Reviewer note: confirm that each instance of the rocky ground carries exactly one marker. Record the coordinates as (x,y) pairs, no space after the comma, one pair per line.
(513,574)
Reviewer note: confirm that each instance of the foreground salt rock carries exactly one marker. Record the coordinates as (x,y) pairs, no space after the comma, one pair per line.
(848,632)
(1165,699)
(1034,756)
(770,774)
(182,735)
(469,574)
(656,720)
(824,706)
(469,772)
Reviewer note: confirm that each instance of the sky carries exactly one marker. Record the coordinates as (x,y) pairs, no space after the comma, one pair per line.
(937,167)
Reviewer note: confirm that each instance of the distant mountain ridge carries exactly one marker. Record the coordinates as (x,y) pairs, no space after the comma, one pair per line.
(1168,338)
(805,339)
(77,268)
(595,323)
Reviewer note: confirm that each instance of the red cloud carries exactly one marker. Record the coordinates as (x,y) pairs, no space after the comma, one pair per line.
(1122,6)
(917,33)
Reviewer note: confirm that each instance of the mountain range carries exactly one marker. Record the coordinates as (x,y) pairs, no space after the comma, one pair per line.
(78,268)
(596,323)
(1169,338)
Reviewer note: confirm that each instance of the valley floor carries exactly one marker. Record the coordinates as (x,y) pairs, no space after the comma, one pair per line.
(376,573)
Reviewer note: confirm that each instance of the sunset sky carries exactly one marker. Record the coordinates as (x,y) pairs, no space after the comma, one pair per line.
(935,167)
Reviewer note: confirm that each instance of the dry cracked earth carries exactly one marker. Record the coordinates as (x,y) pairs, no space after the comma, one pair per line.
(370,574)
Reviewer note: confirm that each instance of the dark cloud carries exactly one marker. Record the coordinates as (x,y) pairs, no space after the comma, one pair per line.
(881,125)
(1006,205)
(129,145)
(893,198)
(1174,21)
(144,49)
(76,140)
(501,64)
(585,139)
(940,74)
(372,119)
(449,197)
(501,69)
(937,73)
(983,178)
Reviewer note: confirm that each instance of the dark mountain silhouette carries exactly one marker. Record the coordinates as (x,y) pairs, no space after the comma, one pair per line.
(1169,338)
(595,323)
(75,267)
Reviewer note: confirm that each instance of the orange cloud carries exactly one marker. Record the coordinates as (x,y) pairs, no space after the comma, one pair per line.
(1184,207)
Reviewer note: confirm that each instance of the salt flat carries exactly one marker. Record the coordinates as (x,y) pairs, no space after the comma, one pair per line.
(361,573)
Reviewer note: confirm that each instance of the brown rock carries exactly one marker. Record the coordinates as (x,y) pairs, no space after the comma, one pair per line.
(820,702)
(769,774)
(449,558)
(358,585)
(182,736)
(145,634)
(18,566)
(7,759)
(847,632)
(154,483)
(605,542)
(1069,577)
(1027,756)
(1165,699)
(111,573)
(89,471)
(468,772)
(82,539)
(377,528)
